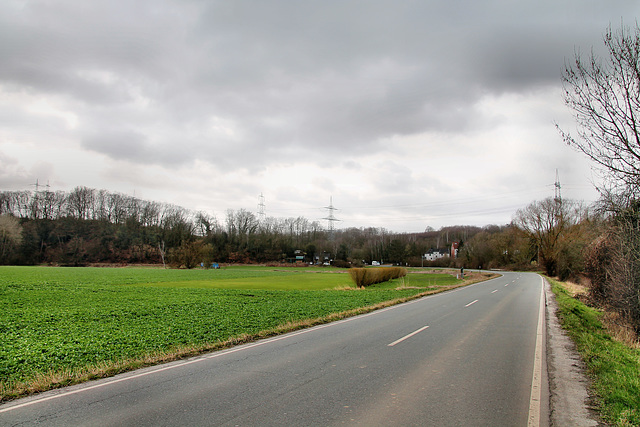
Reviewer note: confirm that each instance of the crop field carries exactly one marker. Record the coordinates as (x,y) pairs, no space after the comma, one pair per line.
(60,326)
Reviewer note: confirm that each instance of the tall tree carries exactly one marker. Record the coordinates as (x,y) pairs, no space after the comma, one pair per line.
(80,203)
(604,95)
(10,236)
(545,221)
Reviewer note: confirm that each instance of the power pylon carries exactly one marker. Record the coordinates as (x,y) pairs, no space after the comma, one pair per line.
(261,208)
(331,217)
(558,195)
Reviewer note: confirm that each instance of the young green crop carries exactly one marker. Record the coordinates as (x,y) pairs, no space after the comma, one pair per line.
(124,276)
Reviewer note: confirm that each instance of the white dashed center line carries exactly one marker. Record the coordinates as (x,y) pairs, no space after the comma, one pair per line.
(407,336)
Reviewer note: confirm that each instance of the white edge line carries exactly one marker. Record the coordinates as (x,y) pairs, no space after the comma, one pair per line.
(536,382)
(407,336)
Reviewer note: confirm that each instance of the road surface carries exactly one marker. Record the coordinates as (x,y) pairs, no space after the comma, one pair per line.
(461,358)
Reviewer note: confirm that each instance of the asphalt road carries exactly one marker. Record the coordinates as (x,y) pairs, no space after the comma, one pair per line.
(461,358)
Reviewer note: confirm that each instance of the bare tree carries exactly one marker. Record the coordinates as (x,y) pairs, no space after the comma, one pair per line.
(51,204)
(176,225)
(10,235)
(245,222)
(117,208)
(604,96)
(205,224)
(80,203)
(22,203)
(150,214)
(545,221)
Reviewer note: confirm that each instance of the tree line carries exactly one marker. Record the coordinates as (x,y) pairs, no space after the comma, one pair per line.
(96,226)
(87,225)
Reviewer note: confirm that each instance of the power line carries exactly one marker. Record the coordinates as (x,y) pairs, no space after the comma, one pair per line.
(461,200)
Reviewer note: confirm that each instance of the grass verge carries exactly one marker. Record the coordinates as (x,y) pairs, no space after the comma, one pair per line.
(613,366)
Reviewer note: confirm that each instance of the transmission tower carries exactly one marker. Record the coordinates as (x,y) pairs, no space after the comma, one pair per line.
(331,217)
(261,208)
(37,185)
(558,194)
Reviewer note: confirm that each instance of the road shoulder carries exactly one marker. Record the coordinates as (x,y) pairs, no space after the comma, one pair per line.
(570,403)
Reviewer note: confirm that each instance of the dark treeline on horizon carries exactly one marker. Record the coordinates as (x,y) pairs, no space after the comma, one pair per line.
(86,226)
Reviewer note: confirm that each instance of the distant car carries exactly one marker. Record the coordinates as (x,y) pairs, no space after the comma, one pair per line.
(375,263)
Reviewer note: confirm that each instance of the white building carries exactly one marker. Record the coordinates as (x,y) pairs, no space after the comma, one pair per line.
(434,255)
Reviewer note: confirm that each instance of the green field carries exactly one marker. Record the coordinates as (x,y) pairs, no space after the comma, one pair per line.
(63,325)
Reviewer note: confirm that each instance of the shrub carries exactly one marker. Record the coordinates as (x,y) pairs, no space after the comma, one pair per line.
(370,276)
(612,264)
(341,263)
(597,261)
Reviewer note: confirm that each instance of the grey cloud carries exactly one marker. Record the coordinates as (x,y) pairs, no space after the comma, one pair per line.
(46,47)
(119,144)
(12,172)
(298,79)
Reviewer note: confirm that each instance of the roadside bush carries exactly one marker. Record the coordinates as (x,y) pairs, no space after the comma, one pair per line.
(370,276)
(416,261)
(191,254)
(341,263)
(356,263)
(625,266)
(612,264)
(597,262)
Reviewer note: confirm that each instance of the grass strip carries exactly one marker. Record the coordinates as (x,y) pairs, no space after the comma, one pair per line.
(613,366)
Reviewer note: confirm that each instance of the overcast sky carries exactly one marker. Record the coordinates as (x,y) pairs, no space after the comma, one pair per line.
(407,113)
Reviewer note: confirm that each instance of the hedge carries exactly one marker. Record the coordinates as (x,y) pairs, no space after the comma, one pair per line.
(369,276)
